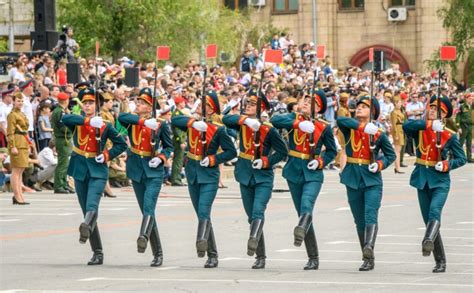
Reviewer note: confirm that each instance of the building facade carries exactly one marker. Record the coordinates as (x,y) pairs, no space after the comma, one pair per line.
(20,13)
(348,28)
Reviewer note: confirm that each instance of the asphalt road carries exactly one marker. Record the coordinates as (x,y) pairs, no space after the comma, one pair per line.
(40,248)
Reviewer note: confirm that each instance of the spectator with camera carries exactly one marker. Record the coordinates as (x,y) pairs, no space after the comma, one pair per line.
(67,46)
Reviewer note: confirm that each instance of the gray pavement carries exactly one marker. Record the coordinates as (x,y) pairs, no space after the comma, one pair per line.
(40,248)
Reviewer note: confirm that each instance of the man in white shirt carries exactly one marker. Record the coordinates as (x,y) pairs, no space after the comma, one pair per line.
(27,91)
(414,108)
(6,106)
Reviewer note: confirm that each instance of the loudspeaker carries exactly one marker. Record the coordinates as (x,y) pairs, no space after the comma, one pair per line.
(73,73)
(45,15)
(379,65)
(44,40)
(131,76)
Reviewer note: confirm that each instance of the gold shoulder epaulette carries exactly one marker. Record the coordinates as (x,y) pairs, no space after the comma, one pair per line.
(268,124)
(323,121)
(450,130)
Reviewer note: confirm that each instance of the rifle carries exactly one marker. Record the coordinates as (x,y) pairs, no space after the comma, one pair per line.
(97,101)
(438,115)
(371,137)
(154,107)
(203,112)
(259,114)
(312,144)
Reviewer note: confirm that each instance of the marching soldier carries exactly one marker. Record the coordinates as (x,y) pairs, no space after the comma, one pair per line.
(62,136)
(256,175)
(150,148)
(431,174)
(88,165)
(304,169)
(465,117)
(179,143)
(202,169)
(362,178)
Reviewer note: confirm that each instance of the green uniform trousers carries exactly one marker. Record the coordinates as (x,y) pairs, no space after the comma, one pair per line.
(202,197)
(432,201)
(255,198)
(63,148)
(304,195)
(178,160)
(364,203)
(89,193)
(147,192)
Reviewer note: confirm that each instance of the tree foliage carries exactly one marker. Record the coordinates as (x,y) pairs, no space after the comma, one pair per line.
(457,17)
(134,28)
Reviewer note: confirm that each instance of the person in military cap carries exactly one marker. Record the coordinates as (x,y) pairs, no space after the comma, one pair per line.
(62,137)
(150,148)
(254,169)
(19,145)
(179,143)
(205,137)
(88,165)
(431,174)
(304,169)
(362,173)
(465,120)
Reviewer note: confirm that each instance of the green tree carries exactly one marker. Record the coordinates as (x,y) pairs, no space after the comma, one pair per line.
(457,17)
(135,28)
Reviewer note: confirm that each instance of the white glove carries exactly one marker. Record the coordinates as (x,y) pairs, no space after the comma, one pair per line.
(371,128)
(374,167)
(151,123)
(252,123)
(257,164)
(195,106)
(232,103)
(96,122)
(204,162)
(437,126)
(155,162)
(313,165)
(100,159)
(306,126)
(200,126)
(439,166)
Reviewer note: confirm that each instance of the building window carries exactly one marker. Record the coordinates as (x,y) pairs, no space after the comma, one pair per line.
(285,6)
(402,3)
(236,4)
(351,4)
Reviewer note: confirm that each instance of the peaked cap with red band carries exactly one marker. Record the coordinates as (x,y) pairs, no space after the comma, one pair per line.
(146,95)
(367,100)
(446,106)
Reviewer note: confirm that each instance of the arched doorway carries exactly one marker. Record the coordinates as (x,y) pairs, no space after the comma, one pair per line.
(391,55)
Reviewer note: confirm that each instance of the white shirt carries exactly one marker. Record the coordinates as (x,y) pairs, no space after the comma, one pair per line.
(414,107)
(28,111)
(47,158)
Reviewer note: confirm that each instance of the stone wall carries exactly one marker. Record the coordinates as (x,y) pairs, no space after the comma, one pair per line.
(23,20)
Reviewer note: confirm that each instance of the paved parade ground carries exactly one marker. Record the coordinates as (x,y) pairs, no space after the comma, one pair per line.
(40,248)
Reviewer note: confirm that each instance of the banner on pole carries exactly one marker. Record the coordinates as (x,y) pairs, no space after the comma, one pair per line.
(163,53)
(273,56)
(447,53)
(211,51)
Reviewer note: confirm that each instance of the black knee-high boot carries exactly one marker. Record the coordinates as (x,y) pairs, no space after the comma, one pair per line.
(212,257)
(256,228)
(155,244)
(302,228)
(86,227)
(439,255)
(261,256)
(202,237)
(312,250)
(432,229)
(145,231)
(96,245)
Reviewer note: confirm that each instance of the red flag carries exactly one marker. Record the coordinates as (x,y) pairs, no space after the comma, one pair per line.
(97,46)
(371,55)
(273,56)
(163,53)
(447,53)
(211,51)
(320,51)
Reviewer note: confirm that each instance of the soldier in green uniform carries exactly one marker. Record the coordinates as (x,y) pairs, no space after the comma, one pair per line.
(431,174)
(88,165)
(304,169)
(362,173)
(255,173)
(202,169)
(62,136)
(179,142)
(150,148)
(464,118)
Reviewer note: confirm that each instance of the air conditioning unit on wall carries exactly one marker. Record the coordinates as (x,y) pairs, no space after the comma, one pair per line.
(257,2)
(397,14)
